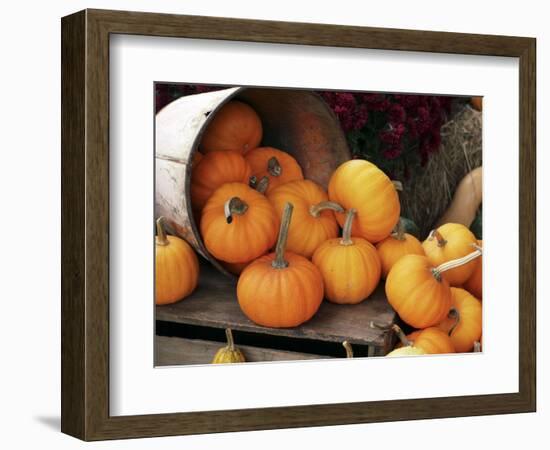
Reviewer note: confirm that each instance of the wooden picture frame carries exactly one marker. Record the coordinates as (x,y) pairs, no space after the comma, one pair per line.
(85,224)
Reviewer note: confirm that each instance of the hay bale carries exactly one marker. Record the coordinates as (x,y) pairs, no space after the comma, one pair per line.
(428,193)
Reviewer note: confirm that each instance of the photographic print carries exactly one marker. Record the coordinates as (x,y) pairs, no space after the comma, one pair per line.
(298,224)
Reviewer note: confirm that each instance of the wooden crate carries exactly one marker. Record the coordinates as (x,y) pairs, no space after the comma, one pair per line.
(213,306)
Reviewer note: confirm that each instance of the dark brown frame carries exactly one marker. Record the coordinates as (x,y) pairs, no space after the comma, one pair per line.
(85,224)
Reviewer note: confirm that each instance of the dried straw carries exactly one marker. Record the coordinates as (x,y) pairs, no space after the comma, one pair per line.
(428,193)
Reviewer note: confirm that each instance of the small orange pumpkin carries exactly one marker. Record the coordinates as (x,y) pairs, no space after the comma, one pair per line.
(213,170)
(350,266)
(360,185)
(236,126)
(272,167)
(477,103)
(464,322)
(238,224)
(432,340)
(395,246)
(474,284)
(176,267)
(313,220)
(420,292)
(280,290)
(448,242)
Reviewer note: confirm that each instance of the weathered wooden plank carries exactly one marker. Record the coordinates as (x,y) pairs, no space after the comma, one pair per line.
(214,304)
(171,351)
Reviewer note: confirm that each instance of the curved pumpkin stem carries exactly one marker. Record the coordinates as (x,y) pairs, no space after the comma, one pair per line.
(260,185)
(396,329)
(315,210)
(441,241)
(234,206)
(349,349)
(161,234)
(279,262)
(397,185)
(402,336)
(274,167)
(346,232)
(453,314)
(229,337)
(437,271)
(399,231)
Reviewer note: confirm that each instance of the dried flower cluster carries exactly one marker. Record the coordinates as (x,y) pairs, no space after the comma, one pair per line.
(397,132)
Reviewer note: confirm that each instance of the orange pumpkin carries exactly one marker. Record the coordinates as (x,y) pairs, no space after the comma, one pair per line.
(395,246)
(272,167)
(350,266)
(236,126)
(280,290)
(464,323)
(213,170)
(477,103)
(474,284)
(420,292)
(360,185)
(419,297)
(313,219)
(448,242)
(176,267)
(432,340)
(238,224)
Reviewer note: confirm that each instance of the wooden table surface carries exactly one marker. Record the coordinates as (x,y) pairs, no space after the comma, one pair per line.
(214,304)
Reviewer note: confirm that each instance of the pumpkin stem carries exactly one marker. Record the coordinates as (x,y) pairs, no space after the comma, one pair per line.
(477,347)
(262,185)
(161,234)
(315,210)
(279,262)
(274,167)
(453,314)
(397,185)
(396,329)
(346,232)
(441,241)
(230,341)
(234,206)
(402,336)
(349,350)
(437,271)
(399,231)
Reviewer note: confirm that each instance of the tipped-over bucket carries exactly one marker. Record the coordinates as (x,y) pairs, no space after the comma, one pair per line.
(298,122)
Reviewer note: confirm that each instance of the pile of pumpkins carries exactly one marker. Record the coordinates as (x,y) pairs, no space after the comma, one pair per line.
(280,234)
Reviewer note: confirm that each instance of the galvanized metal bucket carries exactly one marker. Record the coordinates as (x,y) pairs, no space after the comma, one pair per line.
(298,122)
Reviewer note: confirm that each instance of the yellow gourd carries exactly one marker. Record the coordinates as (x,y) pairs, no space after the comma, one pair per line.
(466,200)
(228,354)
